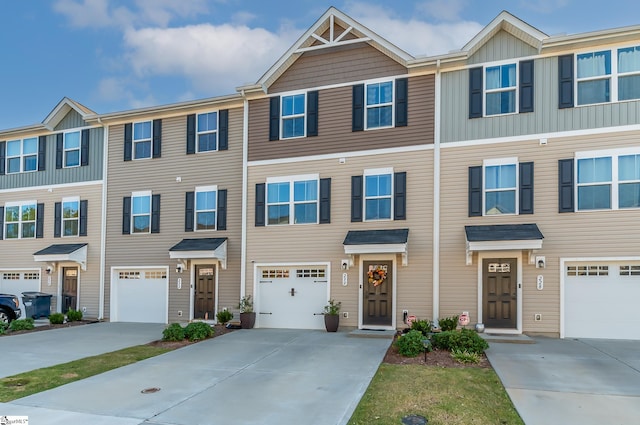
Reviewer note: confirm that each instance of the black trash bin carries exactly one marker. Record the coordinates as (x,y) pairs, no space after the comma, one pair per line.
(36,304)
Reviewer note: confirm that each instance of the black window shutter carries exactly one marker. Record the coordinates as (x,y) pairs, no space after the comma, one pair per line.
(84,206)
(475,92)
(57,220)
(59,150)
(312,113)
(401,101)
(155,214)
(400,196)
(223,130)
(1,223)
(3,157)
(42,153)
(356,198)
(260,204)
(84,148)
(274,118)
(126,215)
(325,201)
(475,191)
(40,221)
(189,205)
(526,86)
(157,138)
(357,120)
(128,142)
(221,220)
(565,81)
(565,186)
(526,188)
(191,134)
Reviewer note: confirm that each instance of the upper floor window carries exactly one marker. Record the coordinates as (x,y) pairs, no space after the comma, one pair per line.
(22,155)
(72,149)
(378,194)
(20,220)
(293,116)
(379,105)
(141,212)
(594,183)
(500,89)
(629,73)
(207,132)
(292,200)
(70,216)
(142,140)
(500,187)
(205,208)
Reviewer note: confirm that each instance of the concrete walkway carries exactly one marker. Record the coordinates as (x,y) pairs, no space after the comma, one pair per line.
(259,376)
(569,381)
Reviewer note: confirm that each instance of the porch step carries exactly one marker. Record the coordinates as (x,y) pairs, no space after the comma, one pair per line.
(372,333)
(508,338)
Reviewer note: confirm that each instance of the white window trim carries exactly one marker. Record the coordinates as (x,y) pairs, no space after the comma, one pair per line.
(392,103)
(303,115)
(134,141)
(485,91)
(199,133)
(212,188)
(65,150)
(62,220)
(291,180)
(19,204)
(377,172)
(21,156)
(496,162)
(136,195)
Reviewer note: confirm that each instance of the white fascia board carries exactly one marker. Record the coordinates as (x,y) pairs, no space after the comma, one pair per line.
(500,22)
(219,253)
(376,249)
(504,245)
(78,256)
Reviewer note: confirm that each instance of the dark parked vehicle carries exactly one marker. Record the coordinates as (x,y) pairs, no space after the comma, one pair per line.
(9,308)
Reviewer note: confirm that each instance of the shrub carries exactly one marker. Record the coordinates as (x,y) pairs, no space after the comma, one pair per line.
(3,328)
(22,324)
(410,344)
(463,340)
(463,356)
(196,331)
(74,315)
(224,316)
(448,323)
(173,332)
(422,326)
(56,318)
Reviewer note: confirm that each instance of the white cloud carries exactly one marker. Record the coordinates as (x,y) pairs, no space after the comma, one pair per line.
(91,13)
(442,10)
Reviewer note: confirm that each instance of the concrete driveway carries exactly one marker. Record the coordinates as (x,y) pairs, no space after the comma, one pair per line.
(570,381)
(259,376)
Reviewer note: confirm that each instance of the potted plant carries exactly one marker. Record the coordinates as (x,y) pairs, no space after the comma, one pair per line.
(247,315)
(332,315)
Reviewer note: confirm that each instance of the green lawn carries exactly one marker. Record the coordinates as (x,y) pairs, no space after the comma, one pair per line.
(445,396)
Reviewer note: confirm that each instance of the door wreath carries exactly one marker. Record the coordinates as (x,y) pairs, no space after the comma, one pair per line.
(377,275)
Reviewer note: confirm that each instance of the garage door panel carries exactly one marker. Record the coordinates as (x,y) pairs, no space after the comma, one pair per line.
(142,296)
(17,282)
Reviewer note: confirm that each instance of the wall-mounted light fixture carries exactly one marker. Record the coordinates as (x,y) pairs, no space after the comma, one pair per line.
(49,269)
(179,268)
(540,262)
(344,264)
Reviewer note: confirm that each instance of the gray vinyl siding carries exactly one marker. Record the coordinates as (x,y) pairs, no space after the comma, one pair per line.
(72,120)
(221,168)
(502,46)
(53,176)
(546,118)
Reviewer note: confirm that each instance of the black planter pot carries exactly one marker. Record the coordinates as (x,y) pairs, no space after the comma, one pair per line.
(247,320)
(331,322)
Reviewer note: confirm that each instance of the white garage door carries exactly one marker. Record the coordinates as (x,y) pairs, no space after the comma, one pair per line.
(291,297)
(141,296)
(601,300)
(17,282)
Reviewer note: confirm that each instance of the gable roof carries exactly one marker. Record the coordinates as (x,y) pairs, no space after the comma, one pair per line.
(62,109)
(342,30)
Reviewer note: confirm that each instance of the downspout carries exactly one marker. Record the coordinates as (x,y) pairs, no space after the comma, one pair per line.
(245,153)
(103,230)
(436,195)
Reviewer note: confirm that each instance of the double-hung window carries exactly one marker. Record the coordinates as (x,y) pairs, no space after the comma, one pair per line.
(500,186)
(72,149)
(594,183)
(22,155)
(206,207)
(20,220)
(141,212)
(629,181)
(207,132)
(378,194)
(70,216)
(629,73)
(292,200)
(293,115)
(142,140)
(379,104)
(501,89)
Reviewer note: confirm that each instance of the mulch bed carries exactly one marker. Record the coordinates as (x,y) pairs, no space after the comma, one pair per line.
(438,358)
(49,327)
(219,331)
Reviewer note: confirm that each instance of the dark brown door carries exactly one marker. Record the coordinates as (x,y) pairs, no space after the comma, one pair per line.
(69,288)
(377,293)
(499,292)
(204,293)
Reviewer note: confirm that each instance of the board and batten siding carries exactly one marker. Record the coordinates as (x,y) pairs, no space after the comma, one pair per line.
(72,120)
(335,128)
(284,244)
(567,235)
(159,175)
(502,46)
(18,253)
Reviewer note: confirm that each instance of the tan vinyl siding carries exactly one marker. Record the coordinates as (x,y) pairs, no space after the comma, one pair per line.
(502,46)
(334,125)
(567,235)
(19,253)
(337,65)
(323,242)
(159,175)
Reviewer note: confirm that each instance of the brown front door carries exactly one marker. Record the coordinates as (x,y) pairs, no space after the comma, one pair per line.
(377,306)
(204,293)
(69,288)
(499,292)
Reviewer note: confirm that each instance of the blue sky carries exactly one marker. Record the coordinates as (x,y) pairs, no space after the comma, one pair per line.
(114,55)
